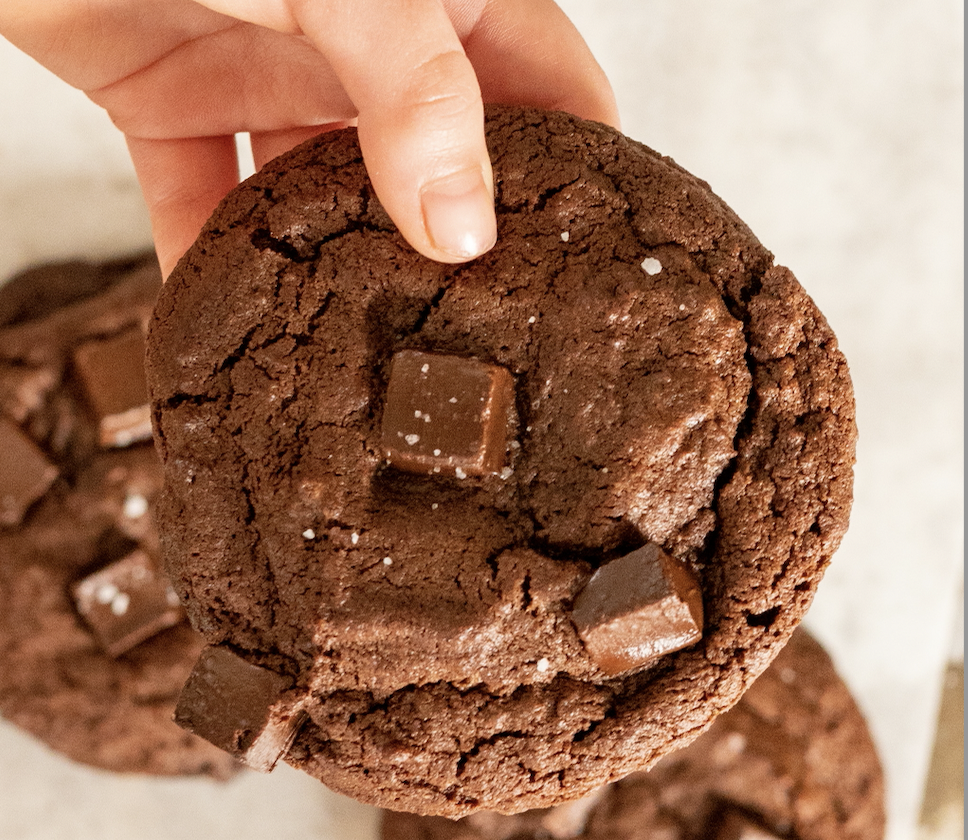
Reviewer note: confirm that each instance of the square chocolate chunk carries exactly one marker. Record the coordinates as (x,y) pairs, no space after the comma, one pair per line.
(112,371)
(446,414)
(239,707)
(25,473)
(637,608)
(127,602)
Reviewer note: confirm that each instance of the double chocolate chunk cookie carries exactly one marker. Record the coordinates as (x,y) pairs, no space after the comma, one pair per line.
(94,645)
(494,534)
(793,760)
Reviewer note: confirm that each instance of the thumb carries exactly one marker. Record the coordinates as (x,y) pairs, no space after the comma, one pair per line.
(421,118)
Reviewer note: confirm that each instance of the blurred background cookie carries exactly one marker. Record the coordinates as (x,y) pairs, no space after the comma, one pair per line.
(94,646)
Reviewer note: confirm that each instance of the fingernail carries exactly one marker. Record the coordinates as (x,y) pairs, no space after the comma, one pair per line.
(458,213)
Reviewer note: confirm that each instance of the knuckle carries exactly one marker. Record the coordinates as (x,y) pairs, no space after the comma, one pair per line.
(444,83)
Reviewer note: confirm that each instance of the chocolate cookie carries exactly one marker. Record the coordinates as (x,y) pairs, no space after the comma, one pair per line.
(94,646)
(793,760)
(502,532)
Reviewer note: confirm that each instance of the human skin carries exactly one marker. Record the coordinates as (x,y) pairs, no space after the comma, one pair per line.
(180,78)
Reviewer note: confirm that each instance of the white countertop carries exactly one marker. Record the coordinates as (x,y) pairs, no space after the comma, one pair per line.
(834,129)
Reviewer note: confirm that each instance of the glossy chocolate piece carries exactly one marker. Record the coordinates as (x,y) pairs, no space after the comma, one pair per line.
(239,707)
(446,414)
(25,473)
(127,602)
(112,371)
(637,608)
(736,825)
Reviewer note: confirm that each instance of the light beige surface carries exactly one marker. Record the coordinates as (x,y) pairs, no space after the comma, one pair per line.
(835,130)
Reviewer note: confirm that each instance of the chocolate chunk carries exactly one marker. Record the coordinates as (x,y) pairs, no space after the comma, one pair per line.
(736,825)
(446,414)
(127,602)
(113,374)
(638,608)
(239,707)
(25,473)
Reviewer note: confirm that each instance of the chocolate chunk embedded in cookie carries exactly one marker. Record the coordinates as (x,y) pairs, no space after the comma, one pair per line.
(670,387)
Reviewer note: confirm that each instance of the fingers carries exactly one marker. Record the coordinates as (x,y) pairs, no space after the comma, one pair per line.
(421,118)
(182,182)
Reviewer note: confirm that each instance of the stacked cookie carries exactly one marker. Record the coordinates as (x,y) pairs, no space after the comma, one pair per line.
(488,537)
(94,646)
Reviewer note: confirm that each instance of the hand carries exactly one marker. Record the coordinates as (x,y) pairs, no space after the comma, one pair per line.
(180,78)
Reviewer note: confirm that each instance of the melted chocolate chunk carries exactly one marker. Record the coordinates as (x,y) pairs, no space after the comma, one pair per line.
(239,707)
(638,608)
(127,602)
(446,414)
(25,473)
(113,374)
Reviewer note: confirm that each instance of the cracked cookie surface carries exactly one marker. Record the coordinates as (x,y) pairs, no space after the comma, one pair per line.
(794,754)
(672,386)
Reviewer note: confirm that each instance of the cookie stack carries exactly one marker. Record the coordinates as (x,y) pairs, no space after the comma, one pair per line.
(94,646)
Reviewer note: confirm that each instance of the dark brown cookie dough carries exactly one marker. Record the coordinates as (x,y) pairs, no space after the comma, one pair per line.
(94,507)
(794,757)
(672,387)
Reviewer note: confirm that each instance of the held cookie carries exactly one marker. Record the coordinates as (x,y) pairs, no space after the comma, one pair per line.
(793,760)
(94,646)
(500,532)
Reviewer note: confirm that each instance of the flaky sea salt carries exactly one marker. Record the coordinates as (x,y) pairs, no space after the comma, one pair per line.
(106,593)
(135,506)
(120,603)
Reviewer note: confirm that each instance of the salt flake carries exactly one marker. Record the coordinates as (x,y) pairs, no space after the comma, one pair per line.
(135,506)
(120,603)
